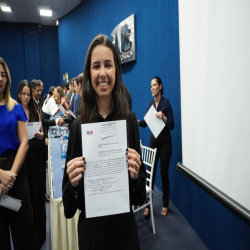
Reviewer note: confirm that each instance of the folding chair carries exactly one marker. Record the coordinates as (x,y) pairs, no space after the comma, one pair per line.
(148,158)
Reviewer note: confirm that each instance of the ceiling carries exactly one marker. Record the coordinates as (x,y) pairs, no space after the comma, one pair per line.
(28,10)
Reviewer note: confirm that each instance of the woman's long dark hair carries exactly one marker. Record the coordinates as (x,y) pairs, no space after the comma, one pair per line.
(51,89)
(34,117)
(89,110)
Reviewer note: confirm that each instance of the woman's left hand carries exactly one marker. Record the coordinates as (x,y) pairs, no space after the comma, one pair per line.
(159,115)
(39,135)
(134,163)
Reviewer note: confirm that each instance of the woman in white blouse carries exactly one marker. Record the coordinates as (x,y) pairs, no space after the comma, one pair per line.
(50,107)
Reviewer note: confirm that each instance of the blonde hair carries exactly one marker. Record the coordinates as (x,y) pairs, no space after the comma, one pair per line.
(10,103)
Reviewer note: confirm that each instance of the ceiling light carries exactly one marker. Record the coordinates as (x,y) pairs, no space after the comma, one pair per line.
(45,12)
(5,8)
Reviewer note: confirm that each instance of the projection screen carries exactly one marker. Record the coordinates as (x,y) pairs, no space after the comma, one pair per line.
(215,93)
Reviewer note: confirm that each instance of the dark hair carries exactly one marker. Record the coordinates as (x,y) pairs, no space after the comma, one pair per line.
(158,80)
(89,111)
(78,79)
(34,117)
(66,85)
(51,89)
(34,83)
(71,81)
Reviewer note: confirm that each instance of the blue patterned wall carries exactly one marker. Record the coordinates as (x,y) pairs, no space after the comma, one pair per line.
(157,42)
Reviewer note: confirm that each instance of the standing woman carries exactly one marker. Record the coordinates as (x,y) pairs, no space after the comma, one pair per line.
(62,99)
(78,94)
(163,142)
(33,162)
(103,100)
(49,106)
(13,181)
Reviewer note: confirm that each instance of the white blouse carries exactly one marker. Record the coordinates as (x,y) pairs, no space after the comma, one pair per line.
(50,107)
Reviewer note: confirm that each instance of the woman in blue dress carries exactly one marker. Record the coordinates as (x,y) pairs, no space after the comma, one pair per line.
(13,181)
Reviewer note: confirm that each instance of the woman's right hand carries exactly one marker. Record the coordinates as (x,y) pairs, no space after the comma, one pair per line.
(138,122)
(75,170)
(7,178)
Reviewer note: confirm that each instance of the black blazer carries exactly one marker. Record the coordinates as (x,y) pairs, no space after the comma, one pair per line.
(107,232)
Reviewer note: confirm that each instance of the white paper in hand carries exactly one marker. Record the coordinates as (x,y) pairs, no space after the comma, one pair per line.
(155,124)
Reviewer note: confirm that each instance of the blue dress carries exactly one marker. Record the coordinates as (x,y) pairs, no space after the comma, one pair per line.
(8,129)
(20,223)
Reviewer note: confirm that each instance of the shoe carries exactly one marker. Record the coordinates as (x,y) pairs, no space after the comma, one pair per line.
(146,213)
(164,211)
(47,198)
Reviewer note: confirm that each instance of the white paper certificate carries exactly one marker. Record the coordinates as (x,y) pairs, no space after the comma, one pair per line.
(155,124)
(32,129)
(106,183)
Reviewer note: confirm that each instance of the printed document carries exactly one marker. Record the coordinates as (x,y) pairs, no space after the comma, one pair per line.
(32,129)
(155,124)
(10,202)
(106,183)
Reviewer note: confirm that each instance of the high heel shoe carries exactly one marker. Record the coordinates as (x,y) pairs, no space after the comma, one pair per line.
(164,211)
(146,213)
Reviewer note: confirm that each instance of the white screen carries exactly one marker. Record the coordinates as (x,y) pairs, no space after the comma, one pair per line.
(215,92)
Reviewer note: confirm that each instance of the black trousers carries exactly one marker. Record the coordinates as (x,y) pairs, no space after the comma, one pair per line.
(163,144)
(20,223)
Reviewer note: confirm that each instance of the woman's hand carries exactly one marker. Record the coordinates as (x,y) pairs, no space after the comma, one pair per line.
(3,189)
(75,170)
(134,163)
(7,178)
(160,115)
(46,141)
(62,101)
(39,135)
(138,122)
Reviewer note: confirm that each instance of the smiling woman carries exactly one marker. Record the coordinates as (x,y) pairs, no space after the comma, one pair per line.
(163,142)
(13,148)
(103,99)
(34,158)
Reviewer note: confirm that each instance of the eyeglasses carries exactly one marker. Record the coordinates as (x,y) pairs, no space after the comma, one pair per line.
(3,75)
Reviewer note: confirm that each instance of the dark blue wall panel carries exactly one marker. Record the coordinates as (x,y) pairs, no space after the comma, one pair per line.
(157,42)
(13,52)
(30,54)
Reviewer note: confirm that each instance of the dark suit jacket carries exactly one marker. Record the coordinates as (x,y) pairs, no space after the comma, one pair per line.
(107,232)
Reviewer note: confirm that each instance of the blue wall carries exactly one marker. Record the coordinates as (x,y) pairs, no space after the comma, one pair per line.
(157,40)
(30,56)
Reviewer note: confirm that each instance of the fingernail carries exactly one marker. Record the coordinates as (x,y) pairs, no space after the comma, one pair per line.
(126,160)
(84,162)
(83,158)
(126,153)
(126,149)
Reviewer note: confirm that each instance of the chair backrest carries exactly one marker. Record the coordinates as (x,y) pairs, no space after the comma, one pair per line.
(148,158)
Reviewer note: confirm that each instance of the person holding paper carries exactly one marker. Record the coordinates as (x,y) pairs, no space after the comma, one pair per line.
(163,142)
(103,100)
(13,181)
(63,100)
(33,163)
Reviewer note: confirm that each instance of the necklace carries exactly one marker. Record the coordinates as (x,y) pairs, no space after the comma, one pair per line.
(102,114)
